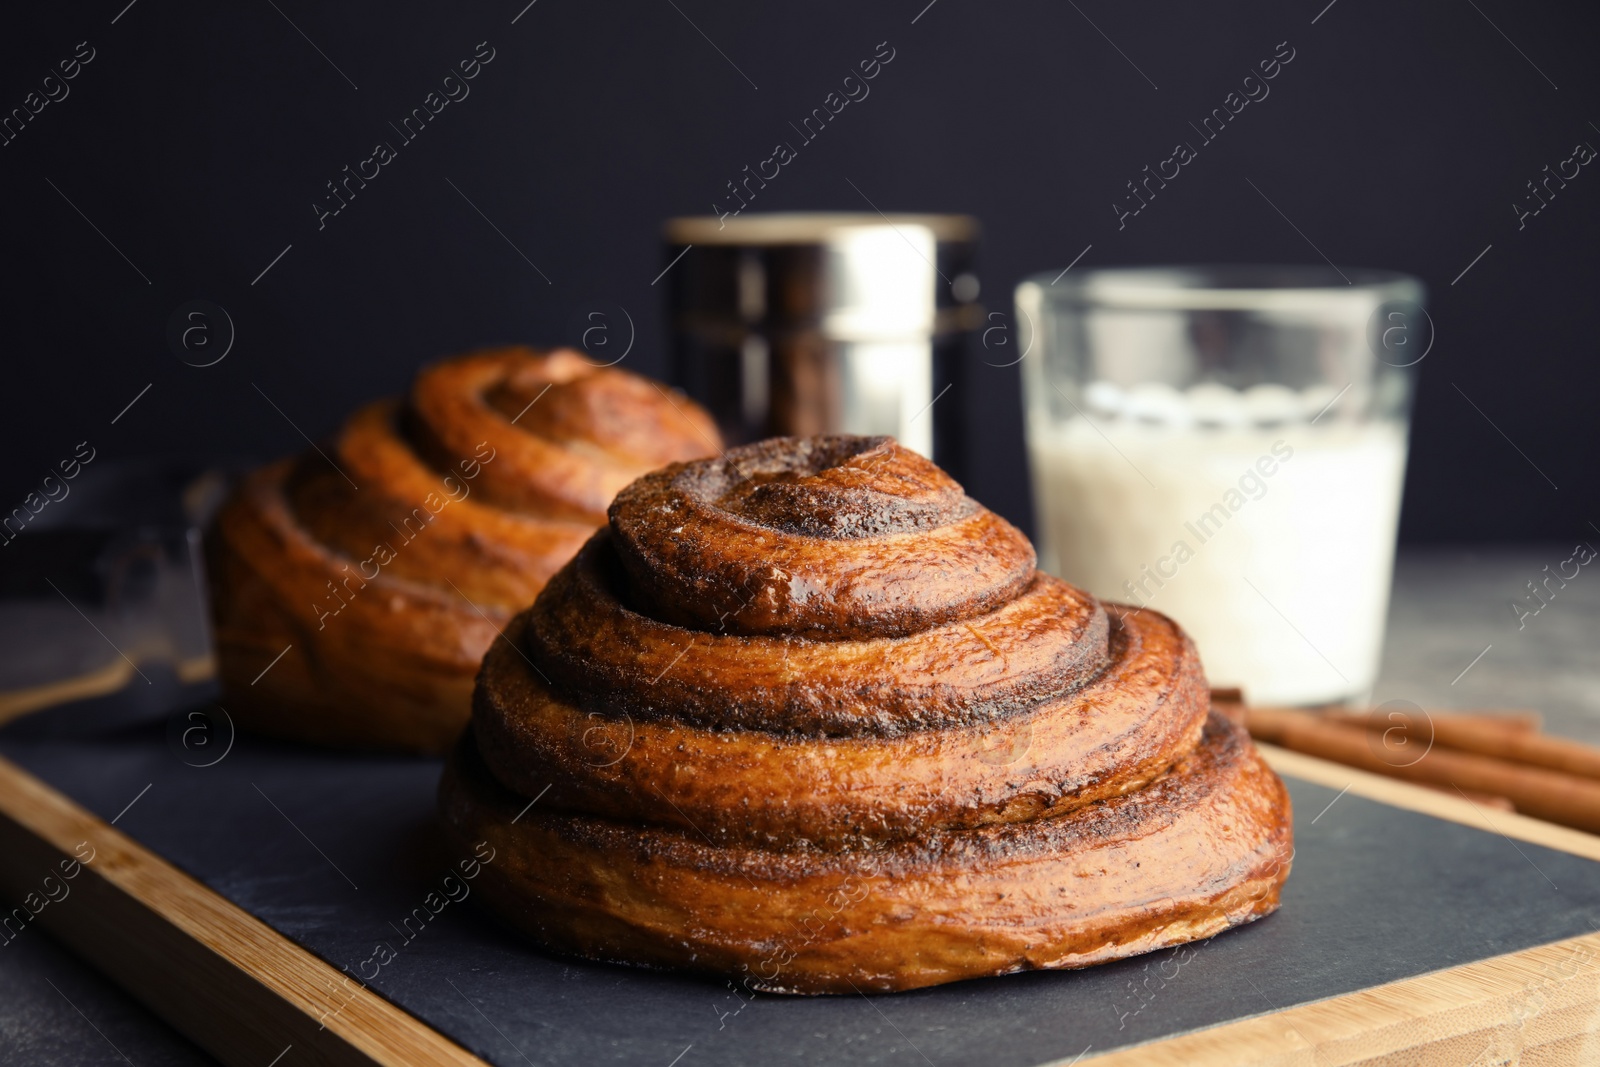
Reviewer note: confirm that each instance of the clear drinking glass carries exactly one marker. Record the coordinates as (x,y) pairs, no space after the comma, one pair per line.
(1226,445)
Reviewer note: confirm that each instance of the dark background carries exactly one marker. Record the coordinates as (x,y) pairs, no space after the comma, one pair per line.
(199,136)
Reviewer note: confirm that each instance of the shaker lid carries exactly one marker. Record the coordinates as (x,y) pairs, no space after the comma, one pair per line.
(792,228)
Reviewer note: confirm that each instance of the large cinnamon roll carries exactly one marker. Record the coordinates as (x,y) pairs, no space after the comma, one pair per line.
(808,717)
(356,587)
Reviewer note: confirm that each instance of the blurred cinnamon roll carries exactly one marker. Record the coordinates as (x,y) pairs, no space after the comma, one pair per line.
(808,717)
(355,587)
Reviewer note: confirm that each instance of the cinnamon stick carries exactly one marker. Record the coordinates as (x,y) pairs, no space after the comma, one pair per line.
(1471,733)
(1516,722)
(1543,793)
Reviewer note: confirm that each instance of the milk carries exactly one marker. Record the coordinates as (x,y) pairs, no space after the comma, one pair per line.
(1273,546)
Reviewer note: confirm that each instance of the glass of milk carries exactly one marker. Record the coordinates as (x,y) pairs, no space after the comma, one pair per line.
(1226,445)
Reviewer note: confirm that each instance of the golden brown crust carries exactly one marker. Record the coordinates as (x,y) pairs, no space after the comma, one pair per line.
(387,576)
(1048,640)
(1204,848)
(831,537)
(1103,733)
(581,432)
(967,771)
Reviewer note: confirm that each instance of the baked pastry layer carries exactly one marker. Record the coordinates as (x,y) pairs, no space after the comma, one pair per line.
(1203,848)
(381,564)
(622,745)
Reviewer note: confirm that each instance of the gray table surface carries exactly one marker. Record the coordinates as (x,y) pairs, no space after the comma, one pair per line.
(1454,640)
(1449,607)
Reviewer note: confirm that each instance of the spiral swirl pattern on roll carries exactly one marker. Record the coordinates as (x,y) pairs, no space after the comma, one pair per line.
(813,676)
(383,562)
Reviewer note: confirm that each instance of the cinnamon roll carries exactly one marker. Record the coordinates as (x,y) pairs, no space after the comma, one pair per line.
(807,716)
(355,587)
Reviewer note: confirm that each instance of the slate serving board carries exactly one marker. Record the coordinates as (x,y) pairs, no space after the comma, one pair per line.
(336,852)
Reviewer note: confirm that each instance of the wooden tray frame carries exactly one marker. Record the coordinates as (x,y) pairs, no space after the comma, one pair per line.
(247,994)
